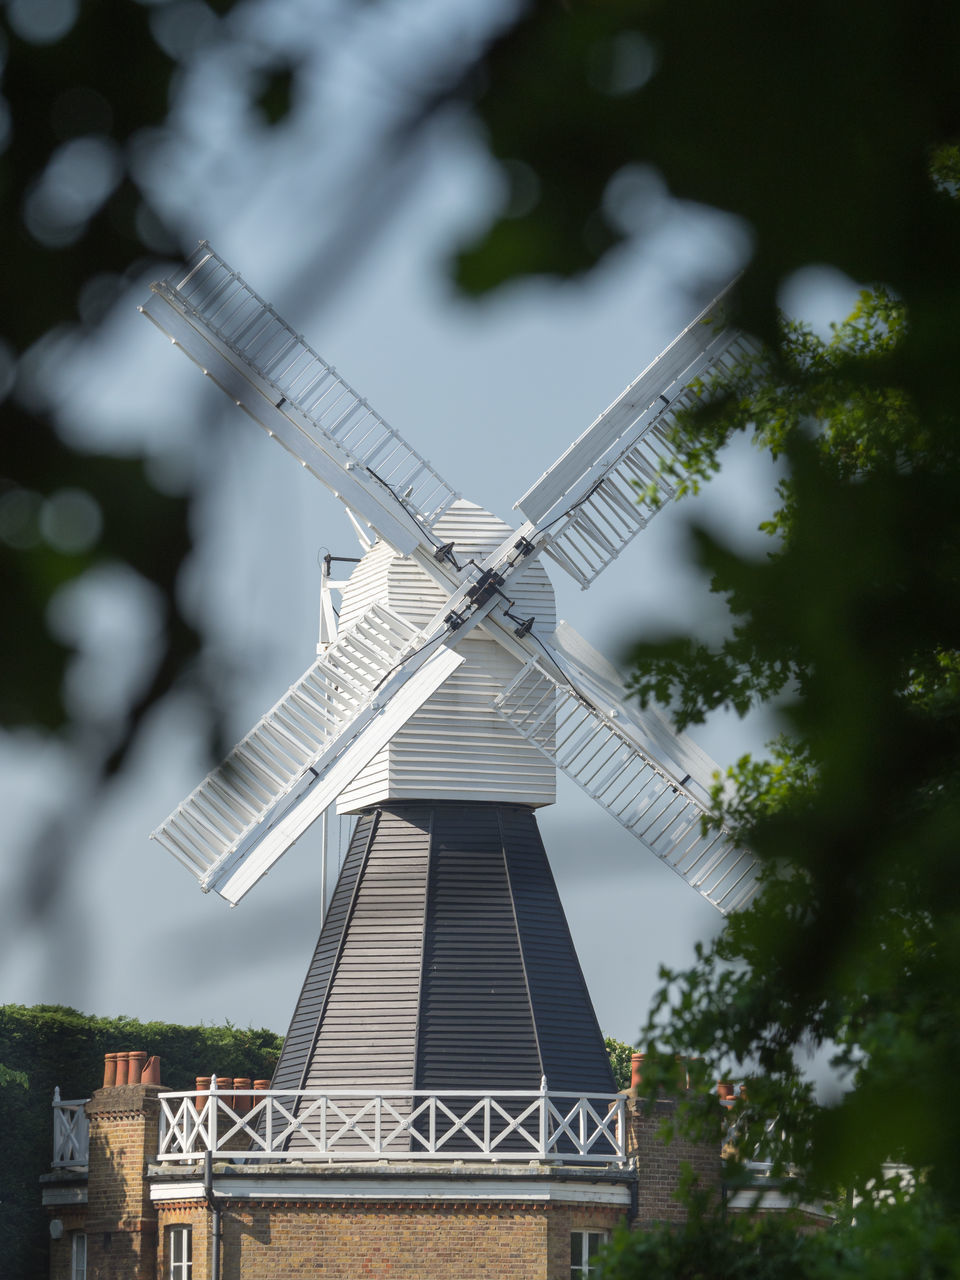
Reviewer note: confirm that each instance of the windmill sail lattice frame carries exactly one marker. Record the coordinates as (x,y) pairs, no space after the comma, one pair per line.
(581,514)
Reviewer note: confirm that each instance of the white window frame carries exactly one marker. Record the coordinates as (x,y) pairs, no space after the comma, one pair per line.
(78,1256)
(584,1268)
(180,1260)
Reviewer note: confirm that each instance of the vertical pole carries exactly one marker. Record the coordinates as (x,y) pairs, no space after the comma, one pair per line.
(213,1104)
(324,843)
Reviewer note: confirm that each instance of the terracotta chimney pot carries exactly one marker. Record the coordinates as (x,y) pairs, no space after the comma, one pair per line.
(136,1058)
(151,1071)
(636,1070)
(122,1068)
(241,1101)
(109,1070)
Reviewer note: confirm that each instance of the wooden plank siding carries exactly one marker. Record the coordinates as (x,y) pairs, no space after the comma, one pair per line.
(477,1029)
(294,1059)
(455,747)
(570,1039)
(445,963)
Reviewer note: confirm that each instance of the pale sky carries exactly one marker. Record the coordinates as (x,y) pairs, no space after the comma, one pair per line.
(491,393)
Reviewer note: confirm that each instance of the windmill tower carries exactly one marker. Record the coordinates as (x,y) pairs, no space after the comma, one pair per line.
(438,715)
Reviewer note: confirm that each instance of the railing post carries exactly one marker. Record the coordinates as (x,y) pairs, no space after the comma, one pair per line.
(212,1122)
(543,1117)
(57,1126)
(164,1126)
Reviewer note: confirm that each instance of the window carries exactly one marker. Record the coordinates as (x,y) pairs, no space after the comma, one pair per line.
(584,1248)
(180,1253)
(78,1257)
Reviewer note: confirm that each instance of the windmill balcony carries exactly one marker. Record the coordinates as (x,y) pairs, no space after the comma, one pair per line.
(355,1125)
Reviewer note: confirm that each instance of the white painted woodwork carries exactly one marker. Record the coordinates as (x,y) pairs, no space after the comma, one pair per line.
(330,779)
(609,754)
(526,1181)
(310,744)
(672,370)
(71,1132)
(455,747)
(600,682)
(468,712)
(355,1125)
(591,503)
(269,370)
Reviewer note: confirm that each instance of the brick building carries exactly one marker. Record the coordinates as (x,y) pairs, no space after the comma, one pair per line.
(125,1205)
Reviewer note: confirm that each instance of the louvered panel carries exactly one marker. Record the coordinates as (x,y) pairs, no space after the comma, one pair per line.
(217,300)
(688,357)
(275,758)
(632,785)
(610,505)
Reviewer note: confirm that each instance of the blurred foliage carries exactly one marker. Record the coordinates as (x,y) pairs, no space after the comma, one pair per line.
(904,1236)
(85,108)
(56,1046)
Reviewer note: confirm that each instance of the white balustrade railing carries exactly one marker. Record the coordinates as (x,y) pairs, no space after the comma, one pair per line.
(353,1125)
(71,1132)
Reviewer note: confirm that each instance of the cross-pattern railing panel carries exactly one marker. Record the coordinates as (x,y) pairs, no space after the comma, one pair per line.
(305,1124)
(630,784)
(71,1132)
(275,755)
(223,302)
(618,503)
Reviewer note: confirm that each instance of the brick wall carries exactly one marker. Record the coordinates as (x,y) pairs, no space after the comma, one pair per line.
(121,1223)
(659,1164)
(567,1218)
(394,1240)
(194,1214)
(61,1251)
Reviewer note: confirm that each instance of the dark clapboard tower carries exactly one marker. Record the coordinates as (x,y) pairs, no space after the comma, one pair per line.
(438,708)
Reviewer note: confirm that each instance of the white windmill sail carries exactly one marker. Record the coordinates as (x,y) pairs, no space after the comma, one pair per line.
(653,780)
(590,503)
(299,756)
(269,370)
(366,687)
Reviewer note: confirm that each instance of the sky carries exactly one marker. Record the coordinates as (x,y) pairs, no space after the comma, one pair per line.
(491,392)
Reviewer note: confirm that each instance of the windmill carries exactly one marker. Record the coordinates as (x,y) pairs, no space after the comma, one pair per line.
(438,710)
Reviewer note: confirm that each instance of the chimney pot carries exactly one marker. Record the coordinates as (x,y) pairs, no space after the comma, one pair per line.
(109,1070)
(136,1059)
